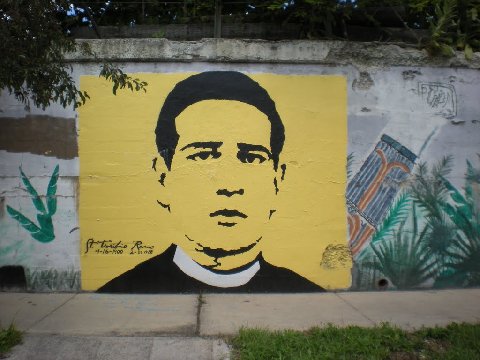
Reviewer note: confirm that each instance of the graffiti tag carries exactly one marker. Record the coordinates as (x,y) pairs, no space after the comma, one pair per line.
(110,247)
(439,97)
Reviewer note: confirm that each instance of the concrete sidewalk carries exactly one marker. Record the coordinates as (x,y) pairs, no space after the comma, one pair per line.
(160,323)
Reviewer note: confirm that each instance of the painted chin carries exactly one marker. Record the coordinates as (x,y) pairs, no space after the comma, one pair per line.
(218,253)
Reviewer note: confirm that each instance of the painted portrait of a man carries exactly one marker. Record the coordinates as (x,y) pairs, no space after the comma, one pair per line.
(219,176)
(223,218)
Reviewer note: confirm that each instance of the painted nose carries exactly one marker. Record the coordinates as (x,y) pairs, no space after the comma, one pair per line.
(229,193)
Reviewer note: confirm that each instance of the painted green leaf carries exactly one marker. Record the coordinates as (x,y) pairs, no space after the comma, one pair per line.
(43,237)
(37,233)
(454,193)
(33,193)
(396,215)
(453,214)
(45,223)
(448,278)
(51,191)
(26,223)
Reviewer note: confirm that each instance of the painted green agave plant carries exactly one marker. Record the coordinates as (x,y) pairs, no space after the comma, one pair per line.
(43,231)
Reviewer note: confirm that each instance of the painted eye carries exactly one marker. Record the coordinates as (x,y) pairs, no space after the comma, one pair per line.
(204,155)
(250,158)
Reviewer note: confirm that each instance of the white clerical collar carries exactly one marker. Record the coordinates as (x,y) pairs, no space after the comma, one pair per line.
(196,271)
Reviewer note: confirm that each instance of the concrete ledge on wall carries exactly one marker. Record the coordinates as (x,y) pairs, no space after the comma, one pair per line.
(262,51)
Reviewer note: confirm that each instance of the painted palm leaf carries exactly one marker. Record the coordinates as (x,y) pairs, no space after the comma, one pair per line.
(33,193)
(404,258)
(26,223)
(470,177)
(464,262)
(462,265)
(461,221)
(51,191)
(396,215)
(46,225)
(428,188)
(458,198)
(36,232)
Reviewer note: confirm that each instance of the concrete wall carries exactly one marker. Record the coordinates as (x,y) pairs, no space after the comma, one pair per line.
(404,109)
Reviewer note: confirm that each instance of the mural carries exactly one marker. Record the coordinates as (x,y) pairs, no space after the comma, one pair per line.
(247,181)
(233,199)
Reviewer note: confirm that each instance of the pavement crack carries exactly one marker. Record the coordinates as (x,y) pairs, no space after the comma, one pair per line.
(200,302)
(50,313)
(355,308)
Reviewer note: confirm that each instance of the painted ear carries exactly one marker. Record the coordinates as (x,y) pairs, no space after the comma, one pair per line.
(283,169)
(159,167)
(278,174)
(161,180)
(165,203)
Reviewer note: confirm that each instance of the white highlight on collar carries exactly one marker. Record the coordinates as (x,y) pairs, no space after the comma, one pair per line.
(196,271)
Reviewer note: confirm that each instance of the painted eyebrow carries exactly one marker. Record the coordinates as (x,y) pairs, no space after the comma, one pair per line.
(251,147)
(214,145)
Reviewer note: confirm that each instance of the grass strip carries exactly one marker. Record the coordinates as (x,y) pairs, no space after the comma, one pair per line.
(456,341)
(9,338)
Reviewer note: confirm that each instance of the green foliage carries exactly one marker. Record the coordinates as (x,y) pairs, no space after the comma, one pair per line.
(9,337)
(318,17)
(368,267)
(44,231)
(33,45)
(441,27)
(454,223)
(447,248)
(456,341)
(34,42)
(395,217)
(464,252)
(51,191)
(121,80)
(159,34)
(428,189)
(403,258)
(321,343)
(148,12)
(450,24)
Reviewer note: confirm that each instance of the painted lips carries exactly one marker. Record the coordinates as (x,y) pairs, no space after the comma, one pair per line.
(230,214)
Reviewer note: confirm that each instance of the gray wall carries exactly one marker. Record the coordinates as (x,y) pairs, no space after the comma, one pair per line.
(429,106)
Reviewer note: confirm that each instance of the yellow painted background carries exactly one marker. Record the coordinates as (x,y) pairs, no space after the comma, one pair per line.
(118,186)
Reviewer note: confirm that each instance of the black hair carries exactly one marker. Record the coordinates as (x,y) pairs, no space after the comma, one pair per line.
(215,85)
